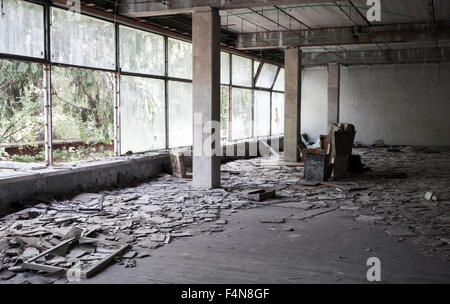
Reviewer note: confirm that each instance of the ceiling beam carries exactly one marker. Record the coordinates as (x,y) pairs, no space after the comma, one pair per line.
(140,8)
(361,57)
(341,36)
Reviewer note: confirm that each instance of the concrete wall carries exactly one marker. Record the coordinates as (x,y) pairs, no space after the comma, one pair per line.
(314,101)
(401,104)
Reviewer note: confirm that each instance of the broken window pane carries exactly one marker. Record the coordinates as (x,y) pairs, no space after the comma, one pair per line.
(180,59)
(142,114)
(242,71)
(22,28)
(224,68)
(82,114)
(224,99)
(241,113)
(277,113)
(21,111)
(73,36)
(262,113)
(180,114)
(279,84)
(141,52)
(267,76)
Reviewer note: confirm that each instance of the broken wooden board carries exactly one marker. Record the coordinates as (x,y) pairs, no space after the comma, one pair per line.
(278,163)
(122,248)
(345,187)
(258,195)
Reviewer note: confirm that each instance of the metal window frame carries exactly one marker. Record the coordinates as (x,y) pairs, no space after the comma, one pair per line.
(47,64)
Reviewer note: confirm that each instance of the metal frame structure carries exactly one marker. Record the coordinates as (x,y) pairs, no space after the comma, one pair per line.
(48,63)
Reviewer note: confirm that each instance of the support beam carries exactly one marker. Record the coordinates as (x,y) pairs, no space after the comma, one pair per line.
(334,79)
(206,98)
(342,36)
(424,55)
(137,8)
(292,103)
(48,115)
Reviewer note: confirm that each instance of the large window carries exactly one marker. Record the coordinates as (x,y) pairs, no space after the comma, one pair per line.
(180,114)
(241,113)
(262,113)
(82,114)
(142,114)
(22,28)
(267,76)
(242,71)
(155,107)
(141,52)
(277,113)
(80,40)
(21,112)
(180,59)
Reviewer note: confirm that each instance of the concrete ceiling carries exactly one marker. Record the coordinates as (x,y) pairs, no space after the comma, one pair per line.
(298,15)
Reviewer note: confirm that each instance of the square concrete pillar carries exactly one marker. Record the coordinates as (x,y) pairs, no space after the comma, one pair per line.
(292,103)
(334,76)
(206,99)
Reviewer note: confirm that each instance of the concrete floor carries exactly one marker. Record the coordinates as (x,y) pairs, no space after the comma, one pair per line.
(329,248)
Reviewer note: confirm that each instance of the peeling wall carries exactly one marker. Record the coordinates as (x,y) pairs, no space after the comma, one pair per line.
(404,104)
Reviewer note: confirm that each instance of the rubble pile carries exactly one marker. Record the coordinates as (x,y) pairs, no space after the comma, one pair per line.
(391,196)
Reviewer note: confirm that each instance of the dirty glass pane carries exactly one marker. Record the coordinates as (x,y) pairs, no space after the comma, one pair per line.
(180,59)
(141,52)
(267,76)
(224,68)
(81,40)
(255,67)
(241,113)
(262,113)
(279,84)
(277,113)
(82,114)
(180,114)
(242,71)
(142,114)
(21,112)
(22,28)
(224,98)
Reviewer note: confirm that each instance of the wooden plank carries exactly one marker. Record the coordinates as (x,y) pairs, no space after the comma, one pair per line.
(279,163)
(100,265)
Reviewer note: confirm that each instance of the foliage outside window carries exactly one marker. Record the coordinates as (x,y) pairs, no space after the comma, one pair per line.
(82,114)
(21,112)
(180,59)
(262,113)
(241,113)
(141,52)
(180,114)
(81,40)
(22,28)
(277,113)
(142,109)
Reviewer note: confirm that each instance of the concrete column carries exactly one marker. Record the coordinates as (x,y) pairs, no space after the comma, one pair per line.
(206,99)
(292,103)
(334,76)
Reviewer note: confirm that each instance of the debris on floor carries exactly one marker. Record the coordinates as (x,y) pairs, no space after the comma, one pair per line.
(158,212)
